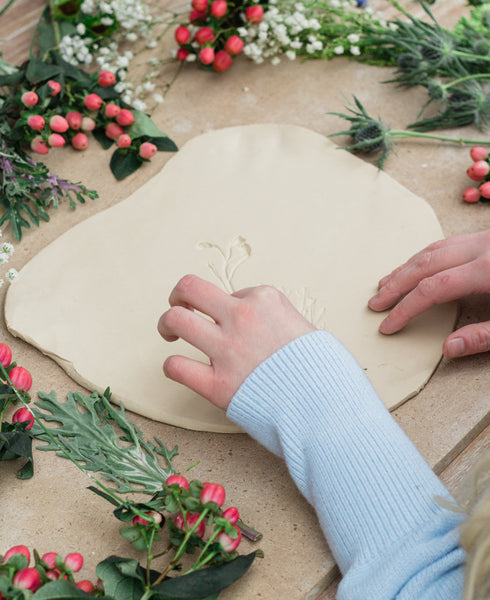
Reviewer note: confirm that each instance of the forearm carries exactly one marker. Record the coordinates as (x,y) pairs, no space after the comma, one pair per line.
(374,495)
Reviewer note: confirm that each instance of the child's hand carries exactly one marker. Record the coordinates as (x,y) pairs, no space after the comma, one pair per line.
(247,327)
(444,271)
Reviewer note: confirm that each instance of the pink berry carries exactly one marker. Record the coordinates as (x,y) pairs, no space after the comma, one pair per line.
(74,119)
(24,550)
(485,190)
(113,131)
(55,140)
(112,110)
(5,355)
(254,14)
(140,521)
(478,153)
(22,415)
(58,123)
(27,579)
(124,141)
(222,61)
(74,562)
(213,492)
(21,378)
(182,35)
(93,101)
(219,8)
(106,78)
(85,585)
(228,543)
(29,99)
(36,122)
(182,54)
(55,87)
(79,141)
(50,559)
(231,514)
(481,168)
(147,150)
(39,145)
(204,35)
(53,574)
(200,5)
(191,519)
(197,15)
(88,124)
(125,117)
(206,55)
(233,45)
(180,480)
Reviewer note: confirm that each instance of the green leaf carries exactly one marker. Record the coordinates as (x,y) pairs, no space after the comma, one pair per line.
(100,136)
(119,585)
(201,584)
(60,590)
(143,126)
(38,71)
(124,163)
(164,143)
(17,443)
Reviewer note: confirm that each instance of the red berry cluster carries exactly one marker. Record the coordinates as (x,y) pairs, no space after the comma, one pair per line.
(15,573)
(54,127)
(21,379)
(211,33)
(478,171)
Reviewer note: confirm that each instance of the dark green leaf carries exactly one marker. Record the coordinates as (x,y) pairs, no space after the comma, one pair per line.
(38,71)
(164,143)
(205,582)
(107,497)
(124,163)
(143,126)
(60,590)
(117,584)
(100,136)
(17,443)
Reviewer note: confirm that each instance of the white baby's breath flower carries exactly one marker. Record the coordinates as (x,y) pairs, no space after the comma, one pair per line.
(7,248)
(139,104)
(353,38)
(107,21)
(131,36)
(151,44)
(122,62)
(191,58)
(4,258)
(158,98)
(12,275)
(338,49)
(291,54)
(276,60)
(355,50)
(80,28)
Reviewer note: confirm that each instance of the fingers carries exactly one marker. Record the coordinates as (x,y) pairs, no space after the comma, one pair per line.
(191,373)
(179,322)
(436,258)
(442,287)
(193,292)
(471,339)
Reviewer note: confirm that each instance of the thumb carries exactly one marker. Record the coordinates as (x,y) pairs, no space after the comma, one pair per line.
(470,339)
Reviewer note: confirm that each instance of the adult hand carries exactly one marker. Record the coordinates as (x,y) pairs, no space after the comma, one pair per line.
(246,328)
(444,271)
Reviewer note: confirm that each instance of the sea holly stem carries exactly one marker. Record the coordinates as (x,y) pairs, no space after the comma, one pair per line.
(403,133)
(467,78)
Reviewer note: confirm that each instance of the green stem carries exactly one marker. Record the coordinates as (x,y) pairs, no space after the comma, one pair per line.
(56,27)
(148,594)
(198,562)
(468,55)
(400,133)
(201,564)
(8,5)
(466,78)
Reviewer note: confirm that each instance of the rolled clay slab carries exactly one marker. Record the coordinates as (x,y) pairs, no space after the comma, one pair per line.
(243,206)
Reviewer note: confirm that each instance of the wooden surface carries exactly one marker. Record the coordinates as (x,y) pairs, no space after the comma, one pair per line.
(448,421)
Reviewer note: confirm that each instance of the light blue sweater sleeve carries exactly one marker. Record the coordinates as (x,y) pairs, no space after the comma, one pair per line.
(374,495)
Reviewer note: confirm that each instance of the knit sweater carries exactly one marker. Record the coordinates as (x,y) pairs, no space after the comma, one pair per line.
(374,495)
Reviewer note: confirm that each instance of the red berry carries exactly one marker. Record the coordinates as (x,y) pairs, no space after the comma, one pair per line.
(79,141)
(55,140)
(200,5)
(233,45)
(478,153)
(113,131)
(125,117)
(254,14)
(21,378)
(22,415)
(197,15)
(222,61)
(219,8)
(5,355)
(140,521)
(29,99)
(93,101)
(74,119)
(191,519)
(204,35)
(58,123)
(124,141)
(206,55)
(480,168)
(228,543)
(231,514)
(24,550)
(39,145)
(86,585)
(53,574)
(213,492)
(147,150)
(50,559)
(180,480)
(36,122)
(182,35)
(88,124)
(182,54)
(74,562)
(106,78)
(55,87)
(485,189)
(27,579)
(112,110)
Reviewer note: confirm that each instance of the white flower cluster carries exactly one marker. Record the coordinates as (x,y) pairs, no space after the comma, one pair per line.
(6,251)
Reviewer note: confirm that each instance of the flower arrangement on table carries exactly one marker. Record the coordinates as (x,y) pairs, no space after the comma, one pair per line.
(180,520)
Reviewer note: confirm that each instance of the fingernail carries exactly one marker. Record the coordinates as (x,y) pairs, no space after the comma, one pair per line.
(383,281)
(373,300)
(455,347)
(384,327)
